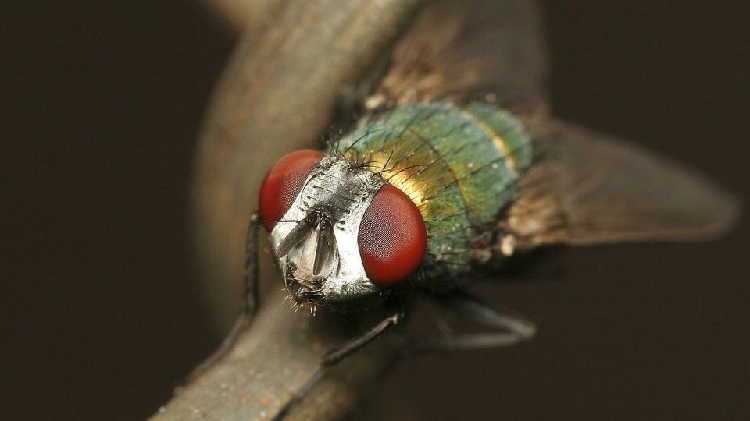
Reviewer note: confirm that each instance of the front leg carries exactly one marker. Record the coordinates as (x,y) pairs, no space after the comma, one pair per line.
(252,287)
(336,355)
(251,297)
(252,265)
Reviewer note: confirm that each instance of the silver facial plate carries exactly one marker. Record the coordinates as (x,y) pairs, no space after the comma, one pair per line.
(341,192)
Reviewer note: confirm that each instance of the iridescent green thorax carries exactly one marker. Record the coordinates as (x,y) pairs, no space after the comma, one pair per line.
(458,164)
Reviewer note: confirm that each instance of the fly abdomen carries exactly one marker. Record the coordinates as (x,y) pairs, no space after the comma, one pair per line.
(458,164)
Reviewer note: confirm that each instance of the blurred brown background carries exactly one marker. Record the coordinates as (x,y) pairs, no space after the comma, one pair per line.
(101,105)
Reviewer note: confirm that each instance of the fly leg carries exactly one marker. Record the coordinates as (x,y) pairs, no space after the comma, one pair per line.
(252,265)
(336,355)
(251,296)
(506,329)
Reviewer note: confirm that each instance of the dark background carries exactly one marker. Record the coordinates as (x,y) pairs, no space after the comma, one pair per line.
(101,105)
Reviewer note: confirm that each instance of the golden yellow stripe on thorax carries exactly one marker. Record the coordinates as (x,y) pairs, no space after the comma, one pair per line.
(498,141)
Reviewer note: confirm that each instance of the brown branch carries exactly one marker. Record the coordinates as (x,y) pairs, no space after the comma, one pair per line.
(272,360)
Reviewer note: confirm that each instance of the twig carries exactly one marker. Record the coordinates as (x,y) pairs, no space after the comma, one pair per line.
(272,360)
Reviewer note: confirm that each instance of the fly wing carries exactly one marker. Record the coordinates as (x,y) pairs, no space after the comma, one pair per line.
(456,49)
(588,188)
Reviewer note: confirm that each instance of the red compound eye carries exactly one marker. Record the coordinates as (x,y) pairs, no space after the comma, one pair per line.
(283,183)
(392,237)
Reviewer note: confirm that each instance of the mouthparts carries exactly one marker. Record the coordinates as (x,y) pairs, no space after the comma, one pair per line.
(303,289)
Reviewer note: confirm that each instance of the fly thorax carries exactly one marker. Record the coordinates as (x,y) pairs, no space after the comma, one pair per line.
(315,243)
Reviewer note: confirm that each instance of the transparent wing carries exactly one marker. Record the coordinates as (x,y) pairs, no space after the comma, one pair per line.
(453,49)
(587,188)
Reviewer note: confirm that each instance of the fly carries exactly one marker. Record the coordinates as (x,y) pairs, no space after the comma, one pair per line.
(446,173)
